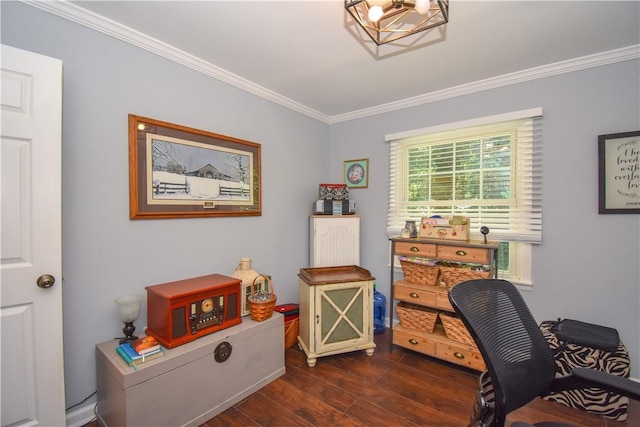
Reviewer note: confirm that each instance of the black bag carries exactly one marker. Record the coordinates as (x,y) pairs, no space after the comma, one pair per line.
(586,334)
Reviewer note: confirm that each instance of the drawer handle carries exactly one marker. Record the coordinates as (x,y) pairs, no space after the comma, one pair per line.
(415,249)
(461,253)
(414,295)
(413,341)
(458,355)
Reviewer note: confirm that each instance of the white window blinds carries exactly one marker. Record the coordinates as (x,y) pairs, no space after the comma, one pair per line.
(488,169)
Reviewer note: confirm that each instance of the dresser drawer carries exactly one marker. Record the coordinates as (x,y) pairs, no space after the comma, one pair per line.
(442,300)
(416,249)
(414,295)
(460,354)
(413,341)
(461,254)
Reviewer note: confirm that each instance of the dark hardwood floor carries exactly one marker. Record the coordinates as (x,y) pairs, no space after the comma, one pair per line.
(391,389)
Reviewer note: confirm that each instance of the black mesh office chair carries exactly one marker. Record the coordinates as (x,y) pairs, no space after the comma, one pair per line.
(520,364)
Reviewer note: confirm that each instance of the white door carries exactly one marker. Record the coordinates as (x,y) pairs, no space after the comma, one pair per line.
(31,255)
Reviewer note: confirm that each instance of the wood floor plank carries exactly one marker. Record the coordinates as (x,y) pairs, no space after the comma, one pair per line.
(324,391)
(305,405)
(425,383)
(267,413)
(230,418)
(532,414)
(372,415)
(440,368)
(566,412)
(368,378)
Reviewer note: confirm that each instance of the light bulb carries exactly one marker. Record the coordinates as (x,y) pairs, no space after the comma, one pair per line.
(375,13)
(422,6)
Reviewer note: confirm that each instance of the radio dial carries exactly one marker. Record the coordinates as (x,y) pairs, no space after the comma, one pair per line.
(207,305)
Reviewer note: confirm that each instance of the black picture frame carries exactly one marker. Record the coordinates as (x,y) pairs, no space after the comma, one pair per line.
(619,173)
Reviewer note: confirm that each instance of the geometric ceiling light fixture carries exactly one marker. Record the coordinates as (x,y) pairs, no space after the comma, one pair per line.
(386,21)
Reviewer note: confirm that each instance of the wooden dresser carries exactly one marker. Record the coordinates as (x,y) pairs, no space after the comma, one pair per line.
(436,298)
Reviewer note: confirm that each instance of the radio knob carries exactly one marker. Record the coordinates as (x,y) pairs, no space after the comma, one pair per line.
(192,319)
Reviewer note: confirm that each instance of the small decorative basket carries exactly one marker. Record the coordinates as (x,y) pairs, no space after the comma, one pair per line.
(261,303)
(423,274)
(451,276)
(416,317)
(455,330)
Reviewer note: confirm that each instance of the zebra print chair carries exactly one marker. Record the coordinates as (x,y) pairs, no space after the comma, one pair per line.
(569,355)
(520,363)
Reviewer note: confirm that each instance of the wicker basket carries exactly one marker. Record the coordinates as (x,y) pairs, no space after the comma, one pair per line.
(261,304)
(422,274)
(416,317)
(451,276)
(291,330)
(455,330)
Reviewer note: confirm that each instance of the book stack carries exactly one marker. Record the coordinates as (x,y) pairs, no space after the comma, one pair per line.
(139,351)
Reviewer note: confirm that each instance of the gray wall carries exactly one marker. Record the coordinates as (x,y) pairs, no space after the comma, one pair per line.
(105,254)
(587,266)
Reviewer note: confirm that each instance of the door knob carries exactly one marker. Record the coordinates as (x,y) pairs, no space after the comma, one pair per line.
(46,281)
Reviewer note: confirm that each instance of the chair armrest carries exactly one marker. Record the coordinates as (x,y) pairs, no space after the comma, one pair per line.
(589,378)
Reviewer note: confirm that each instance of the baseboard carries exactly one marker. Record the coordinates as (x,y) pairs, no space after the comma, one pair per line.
(82,415)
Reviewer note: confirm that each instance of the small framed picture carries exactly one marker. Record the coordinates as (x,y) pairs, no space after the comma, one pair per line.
(619,173)
(356,173)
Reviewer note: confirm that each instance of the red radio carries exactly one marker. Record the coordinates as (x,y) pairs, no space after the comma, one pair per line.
(179,312)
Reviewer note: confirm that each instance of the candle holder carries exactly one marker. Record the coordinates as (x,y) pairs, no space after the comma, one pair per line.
(129,306)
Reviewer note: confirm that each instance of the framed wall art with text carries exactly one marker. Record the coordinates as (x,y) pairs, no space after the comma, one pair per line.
(619,173)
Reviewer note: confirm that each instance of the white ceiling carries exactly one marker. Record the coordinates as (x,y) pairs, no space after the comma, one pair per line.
(309,55)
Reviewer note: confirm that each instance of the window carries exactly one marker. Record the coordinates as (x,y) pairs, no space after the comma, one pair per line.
(487,169)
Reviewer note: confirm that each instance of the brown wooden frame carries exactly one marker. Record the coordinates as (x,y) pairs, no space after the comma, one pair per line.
(618,165)
(151,198)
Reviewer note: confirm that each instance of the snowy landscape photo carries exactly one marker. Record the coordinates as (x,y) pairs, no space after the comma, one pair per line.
(186,172)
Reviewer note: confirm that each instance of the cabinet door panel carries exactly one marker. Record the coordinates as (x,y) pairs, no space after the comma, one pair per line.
(335,240)
(341,314)
(345,315)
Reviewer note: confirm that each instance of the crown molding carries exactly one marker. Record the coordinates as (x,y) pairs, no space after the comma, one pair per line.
(84,17)
(114,29)
(590,61)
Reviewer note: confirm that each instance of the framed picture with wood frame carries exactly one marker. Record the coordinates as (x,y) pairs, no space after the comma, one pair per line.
(180,172)
(619,173)
(356,173)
